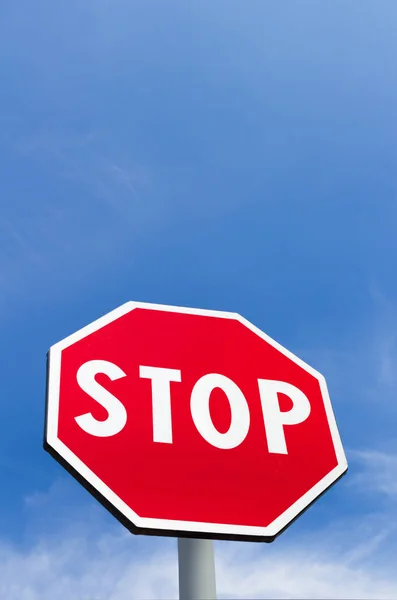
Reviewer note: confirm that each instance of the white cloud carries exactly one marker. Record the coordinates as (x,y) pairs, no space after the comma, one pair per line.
(80,554)
(305,570)
(82,569)
(110,566)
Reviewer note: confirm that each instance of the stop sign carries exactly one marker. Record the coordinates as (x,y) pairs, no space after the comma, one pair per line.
(191,422)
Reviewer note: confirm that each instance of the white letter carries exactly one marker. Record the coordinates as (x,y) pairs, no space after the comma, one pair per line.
(274,419)
(200,407)
(117,414)
(161,400)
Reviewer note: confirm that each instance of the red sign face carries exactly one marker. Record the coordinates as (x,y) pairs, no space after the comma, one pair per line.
(191,422)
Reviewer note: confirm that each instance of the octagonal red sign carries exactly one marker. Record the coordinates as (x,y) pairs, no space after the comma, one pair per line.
(191,422)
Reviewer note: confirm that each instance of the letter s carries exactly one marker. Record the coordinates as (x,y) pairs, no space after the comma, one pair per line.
(117,415)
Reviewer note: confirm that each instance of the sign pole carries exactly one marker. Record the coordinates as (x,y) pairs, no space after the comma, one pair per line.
(196,569)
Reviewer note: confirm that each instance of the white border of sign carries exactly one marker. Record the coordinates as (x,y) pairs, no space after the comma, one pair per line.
(154,526)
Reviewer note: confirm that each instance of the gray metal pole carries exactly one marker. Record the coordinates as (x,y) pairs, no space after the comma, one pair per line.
(196,569)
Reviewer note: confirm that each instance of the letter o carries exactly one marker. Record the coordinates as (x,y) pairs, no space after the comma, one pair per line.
(200,409)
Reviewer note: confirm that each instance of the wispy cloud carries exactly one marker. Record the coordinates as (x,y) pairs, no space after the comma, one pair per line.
(113,566)
(377,472)
(90,206)
(386,343)
(78,554)
(73,567)
(305,570)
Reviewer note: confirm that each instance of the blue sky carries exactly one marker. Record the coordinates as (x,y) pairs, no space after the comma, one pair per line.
(227,155)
